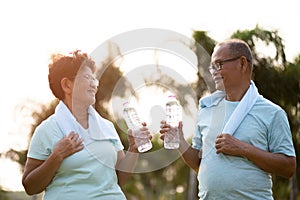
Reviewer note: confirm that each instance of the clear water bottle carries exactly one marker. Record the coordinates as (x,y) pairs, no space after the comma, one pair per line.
(133,122)
(173,117)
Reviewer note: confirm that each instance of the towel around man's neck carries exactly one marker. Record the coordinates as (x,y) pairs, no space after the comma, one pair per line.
(99,128)
(239,112)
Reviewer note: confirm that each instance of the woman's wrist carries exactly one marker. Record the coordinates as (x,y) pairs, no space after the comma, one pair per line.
(132,148)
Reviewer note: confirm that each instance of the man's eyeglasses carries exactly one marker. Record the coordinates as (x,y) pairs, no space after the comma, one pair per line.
(217,66)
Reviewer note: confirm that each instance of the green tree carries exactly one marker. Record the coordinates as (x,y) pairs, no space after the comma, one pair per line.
(204,45)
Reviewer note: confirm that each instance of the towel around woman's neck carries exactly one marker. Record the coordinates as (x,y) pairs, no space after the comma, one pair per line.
(99,128)
(239,112)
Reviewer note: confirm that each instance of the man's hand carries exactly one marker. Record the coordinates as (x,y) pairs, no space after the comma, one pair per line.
(227,144)
(165,129)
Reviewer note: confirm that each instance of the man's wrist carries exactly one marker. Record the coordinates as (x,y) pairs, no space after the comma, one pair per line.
(183,146)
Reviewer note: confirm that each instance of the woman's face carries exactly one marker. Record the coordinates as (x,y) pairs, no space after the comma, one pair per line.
(85,87)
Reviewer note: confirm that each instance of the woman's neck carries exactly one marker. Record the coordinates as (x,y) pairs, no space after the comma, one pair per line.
(82,116)
(80,113)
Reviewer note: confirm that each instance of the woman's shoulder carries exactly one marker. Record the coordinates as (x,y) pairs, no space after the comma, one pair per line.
(48,122)
(48,127)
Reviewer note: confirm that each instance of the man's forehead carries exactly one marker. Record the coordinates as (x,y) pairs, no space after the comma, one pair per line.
(219,51)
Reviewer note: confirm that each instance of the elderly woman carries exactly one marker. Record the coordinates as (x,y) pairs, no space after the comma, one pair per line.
(75,153)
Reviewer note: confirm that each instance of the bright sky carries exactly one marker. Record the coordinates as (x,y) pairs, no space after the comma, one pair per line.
(31,30)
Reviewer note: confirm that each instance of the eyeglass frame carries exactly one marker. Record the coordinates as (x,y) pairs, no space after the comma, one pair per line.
(88,77)
(217,66)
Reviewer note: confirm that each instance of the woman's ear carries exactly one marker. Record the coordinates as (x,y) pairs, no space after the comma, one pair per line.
(66,85)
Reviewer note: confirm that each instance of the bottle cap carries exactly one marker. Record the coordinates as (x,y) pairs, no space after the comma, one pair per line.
(172,97)
(126,104)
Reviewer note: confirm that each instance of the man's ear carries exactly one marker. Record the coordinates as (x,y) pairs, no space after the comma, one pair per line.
(244,63)
(66,85)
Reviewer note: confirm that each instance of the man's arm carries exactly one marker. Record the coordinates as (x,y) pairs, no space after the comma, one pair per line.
(274,163)
(190,155)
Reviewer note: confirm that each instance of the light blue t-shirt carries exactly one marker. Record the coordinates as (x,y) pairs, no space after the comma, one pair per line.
(87,174)
(230,177)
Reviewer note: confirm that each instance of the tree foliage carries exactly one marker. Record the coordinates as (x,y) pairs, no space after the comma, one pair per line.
(252,37)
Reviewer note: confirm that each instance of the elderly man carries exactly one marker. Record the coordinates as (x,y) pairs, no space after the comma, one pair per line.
(241,138)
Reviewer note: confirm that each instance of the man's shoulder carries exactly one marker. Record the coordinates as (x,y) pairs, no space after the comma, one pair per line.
(267,104)
(268,109)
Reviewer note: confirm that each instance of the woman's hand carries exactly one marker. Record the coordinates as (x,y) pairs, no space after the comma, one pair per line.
(68,145)
(143,132)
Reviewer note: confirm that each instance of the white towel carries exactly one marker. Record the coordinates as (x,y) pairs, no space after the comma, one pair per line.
(99,128)
(240,111)
(212,100)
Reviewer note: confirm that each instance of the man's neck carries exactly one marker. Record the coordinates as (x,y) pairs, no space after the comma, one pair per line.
(237,93)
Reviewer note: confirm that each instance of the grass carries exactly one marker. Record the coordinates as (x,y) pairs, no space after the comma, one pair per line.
(21,196)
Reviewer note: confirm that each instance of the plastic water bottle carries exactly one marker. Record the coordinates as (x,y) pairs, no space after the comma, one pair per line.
(133,122)
(174,116)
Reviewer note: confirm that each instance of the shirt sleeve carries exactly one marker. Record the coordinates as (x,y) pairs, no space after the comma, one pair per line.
(197,139)
(43,140)
(116,142)
(280,137)
(118,145)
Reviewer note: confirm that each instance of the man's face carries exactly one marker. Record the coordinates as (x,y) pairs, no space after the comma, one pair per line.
(229,69)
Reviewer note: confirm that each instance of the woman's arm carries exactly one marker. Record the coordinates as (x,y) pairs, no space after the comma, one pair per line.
(38,174)
(127,162)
